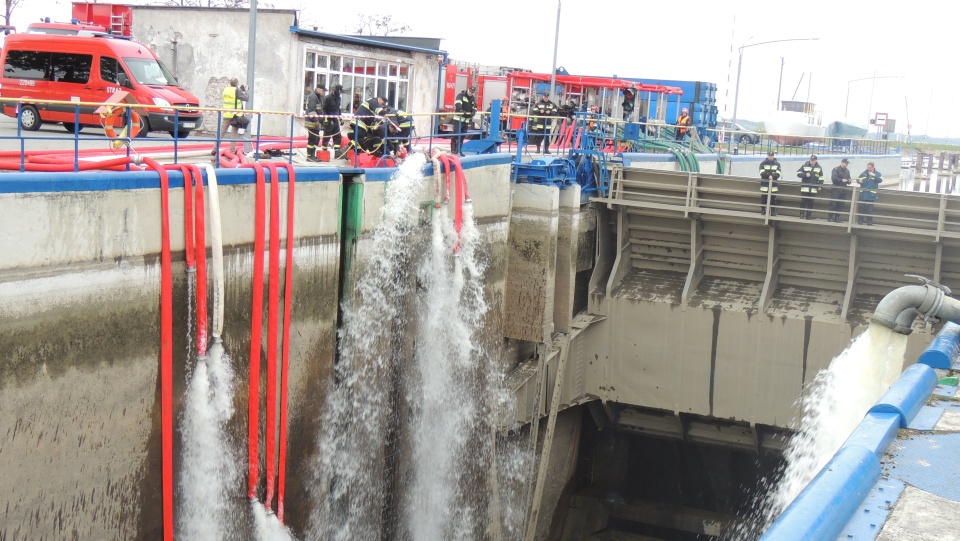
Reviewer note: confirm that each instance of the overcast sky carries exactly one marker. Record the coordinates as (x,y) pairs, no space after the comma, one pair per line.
(911,49)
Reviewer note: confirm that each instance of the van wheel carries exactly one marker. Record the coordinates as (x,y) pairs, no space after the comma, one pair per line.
(29,118)
(179,134)
(746,140)
(72,127)
(144,128)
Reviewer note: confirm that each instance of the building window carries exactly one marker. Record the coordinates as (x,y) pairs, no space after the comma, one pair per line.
(361,78)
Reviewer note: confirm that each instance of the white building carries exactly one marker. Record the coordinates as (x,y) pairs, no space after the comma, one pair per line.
(205,47)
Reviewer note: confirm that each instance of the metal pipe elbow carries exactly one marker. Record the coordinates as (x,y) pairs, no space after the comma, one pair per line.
(900,307)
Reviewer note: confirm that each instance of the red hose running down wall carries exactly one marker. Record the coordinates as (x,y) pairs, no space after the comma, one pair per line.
(201,259)
(255,335)
(285,356)
(166,348)
(273,306)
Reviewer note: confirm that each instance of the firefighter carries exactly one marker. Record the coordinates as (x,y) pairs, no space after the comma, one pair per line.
(233,98)
(400,127)
(540,120)
(840,191)
(368,138)
(312,121)
(683,122)
(869,181)
(465,107)
(769,175)
(331,124)
(811,178)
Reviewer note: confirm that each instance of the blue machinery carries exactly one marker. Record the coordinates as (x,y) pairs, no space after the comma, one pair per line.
(585,163)
(833,499)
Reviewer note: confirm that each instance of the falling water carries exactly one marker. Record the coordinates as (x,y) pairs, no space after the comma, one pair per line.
(407,445)
(209,474)
(832,407)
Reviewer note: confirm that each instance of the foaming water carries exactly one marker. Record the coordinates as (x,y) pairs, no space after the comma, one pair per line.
(408,445)
(832,407)
(209,473)
(350,475)
(266,525)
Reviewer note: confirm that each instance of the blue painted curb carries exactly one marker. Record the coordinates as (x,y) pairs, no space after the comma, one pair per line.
(944,348)
(908,394)
(822,510)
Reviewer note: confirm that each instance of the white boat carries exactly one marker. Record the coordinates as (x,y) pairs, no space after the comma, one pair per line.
(796,123)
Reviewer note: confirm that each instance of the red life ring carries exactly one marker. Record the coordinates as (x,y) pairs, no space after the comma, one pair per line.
(115,124)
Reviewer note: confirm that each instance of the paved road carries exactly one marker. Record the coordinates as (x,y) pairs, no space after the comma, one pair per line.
(52,136)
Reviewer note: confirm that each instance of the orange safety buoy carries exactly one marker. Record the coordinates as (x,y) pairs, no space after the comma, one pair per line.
(115,124)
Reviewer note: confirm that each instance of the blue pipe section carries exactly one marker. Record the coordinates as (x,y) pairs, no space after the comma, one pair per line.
(908,394)
(876,432)
(944,349)
(823,508)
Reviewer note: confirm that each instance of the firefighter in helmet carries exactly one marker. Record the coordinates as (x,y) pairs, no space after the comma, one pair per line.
(465,107)
(769,175)
(541,118)
(811,178)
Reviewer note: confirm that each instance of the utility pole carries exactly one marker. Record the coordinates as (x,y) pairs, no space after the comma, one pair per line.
(251,68)
(553,72)
(779,86)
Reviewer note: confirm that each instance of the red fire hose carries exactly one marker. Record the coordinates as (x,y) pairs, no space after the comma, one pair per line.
(287,300)
(255,335)
(273,306)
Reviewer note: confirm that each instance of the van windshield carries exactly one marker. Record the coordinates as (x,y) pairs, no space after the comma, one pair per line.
(148,71)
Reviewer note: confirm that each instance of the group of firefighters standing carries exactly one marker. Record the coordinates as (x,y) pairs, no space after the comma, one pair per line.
(376,127)
(811,182)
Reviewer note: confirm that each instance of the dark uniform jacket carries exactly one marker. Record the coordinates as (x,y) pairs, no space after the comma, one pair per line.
(465,107)
(869,185)
(542,109)
(314,107)
(839,174)
(367,110)
(811,177)
(769,173)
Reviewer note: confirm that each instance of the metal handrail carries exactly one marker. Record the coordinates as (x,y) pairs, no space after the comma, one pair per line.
(893,211)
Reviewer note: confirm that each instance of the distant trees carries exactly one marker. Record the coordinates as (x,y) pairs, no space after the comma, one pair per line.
(382,25)
(10,5)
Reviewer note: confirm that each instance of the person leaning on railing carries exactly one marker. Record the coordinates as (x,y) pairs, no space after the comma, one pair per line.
(840,191)
(769,175)
(811,178)
(541,119)
(869,181)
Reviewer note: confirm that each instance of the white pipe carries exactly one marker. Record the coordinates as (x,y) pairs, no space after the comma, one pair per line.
(216,242)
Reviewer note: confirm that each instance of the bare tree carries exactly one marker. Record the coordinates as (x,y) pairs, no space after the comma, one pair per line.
(211,3)
(378,26)
(10,6)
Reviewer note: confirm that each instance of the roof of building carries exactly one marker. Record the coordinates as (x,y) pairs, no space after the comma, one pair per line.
(396,43)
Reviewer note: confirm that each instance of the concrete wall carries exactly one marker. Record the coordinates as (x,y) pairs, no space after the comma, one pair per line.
(211,47)
(79,336)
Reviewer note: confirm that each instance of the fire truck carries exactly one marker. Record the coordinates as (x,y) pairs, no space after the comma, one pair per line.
(519,90)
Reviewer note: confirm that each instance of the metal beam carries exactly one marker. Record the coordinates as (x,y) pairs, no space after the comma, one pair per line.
(772,279)
(852,271)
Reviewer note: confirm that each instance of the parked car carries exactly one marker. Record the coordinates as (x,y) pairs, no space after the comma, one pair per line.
(741,135)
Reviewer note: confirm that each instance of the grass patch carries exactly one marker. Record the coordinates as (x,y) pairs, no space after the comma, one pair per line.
(930,147)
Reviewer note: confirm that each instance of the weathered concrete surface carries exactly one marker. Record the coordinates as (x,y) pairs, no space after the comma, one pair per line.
(79,349)
(919,515)
(568,251)
(531,263)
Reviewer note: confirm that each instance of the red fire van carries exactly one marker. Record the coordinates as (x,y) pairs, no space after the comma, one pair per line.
(88,69)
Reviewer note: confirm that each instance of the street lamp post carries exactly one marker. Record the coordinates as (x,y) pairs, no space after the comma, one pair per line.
(873,78)
(553,72)
(736,91)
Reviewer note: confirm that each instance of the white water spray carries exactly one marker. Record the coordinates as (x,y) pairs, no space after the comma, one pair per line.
(433,415)
(832,407)
(209,475)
